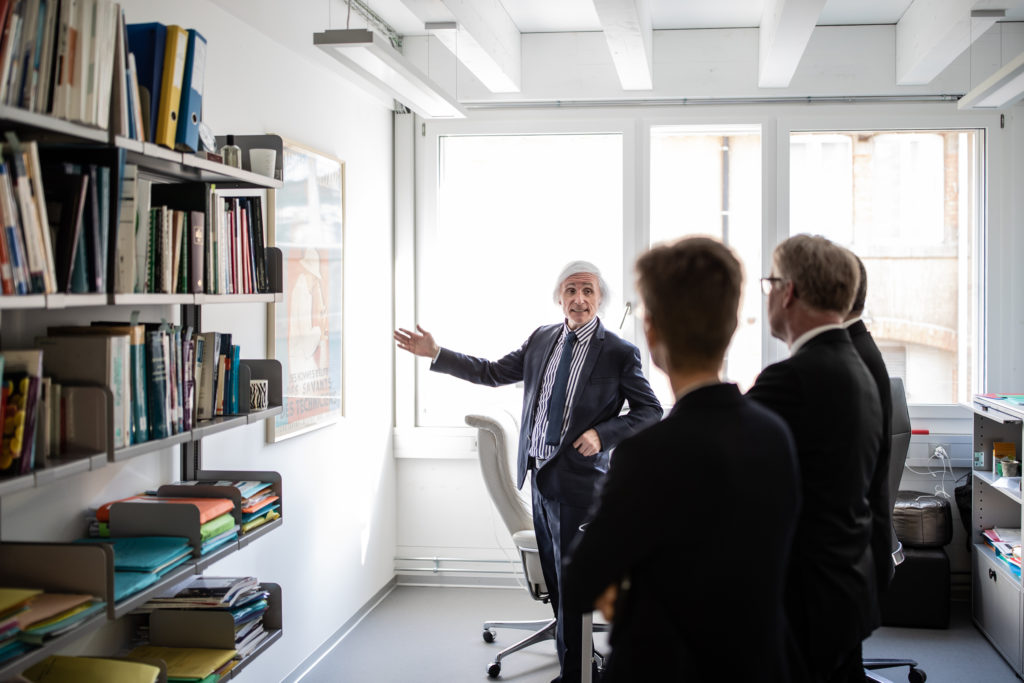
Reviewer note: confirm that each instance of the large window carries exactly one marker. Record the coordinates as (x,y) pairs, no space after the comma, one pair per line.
(906,203)
(512,210)
(707,181)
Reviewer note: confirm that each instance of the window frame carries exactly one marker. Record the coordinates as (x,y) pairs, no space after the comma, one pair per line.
(998,278)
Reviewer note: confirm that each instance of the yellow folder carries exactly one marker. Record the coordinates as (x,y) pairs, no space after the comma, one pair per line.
(175,50)
(13,599)
(185,662)
(60,669)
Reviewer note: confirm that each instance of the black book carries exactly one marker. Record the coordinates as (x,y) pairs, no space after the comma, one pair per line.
(66,190)
(259,246)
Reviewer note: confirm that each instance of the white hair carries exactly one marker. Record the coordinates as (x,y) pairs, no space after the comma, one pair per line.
(576,267)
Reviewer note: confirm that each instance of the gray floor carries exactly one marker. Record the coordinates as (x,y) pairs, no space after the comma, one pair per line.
(432,635)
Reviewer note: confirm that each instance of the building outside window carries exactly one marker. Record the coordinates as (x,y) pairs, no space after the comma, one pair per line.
(906,203)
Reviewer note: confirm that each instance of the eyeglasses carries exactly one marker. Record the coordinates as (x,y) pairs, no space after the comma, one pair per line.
(768,282)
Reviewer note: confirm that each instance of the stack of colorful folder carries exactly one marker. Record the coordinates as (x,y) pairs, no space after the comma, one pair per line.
(189,664)
(29,617)
(139,561)
(13,601)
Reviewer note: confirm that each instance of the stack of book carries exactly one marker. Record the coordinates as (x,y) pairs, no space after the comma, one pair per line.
(1006,544)
(30,617)
(242,597)
(62,669)
(140,561)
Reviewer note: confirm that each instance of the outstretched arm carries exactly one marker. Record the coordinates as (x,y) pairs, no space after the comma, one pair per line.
(419,343)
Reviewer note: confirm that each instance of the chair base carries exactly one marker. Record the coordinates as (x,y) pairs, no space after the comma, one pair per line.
(914,675)
(542,630)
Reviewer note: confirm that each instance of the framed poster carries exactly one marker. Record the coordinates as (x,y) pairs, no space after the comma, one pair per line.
(304,329)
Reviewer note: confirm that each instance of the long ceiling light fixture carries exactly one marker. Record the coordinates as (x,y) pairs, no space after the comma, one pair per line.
(1001,89)
(372,57)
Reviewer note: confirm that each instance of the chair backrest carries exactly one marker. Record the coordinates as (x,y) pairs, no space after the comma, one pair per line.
(900,442)
(498,443)
(899,445)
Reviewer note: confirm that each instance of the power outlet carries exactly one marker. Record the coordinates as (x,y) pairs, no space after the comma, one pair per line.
(940,451)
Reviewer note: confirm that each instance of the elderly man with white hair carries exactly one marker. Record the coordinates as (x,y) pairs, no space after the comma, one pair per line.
(577,375)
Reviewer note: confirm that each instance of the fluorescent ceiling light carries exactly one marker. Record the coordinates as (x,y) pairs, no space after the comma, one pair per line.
(373,58)
(1001,89)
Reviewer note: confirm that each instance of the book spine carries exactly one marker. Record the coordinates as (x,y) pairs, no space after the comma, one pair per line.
(157,385)
(140,421)
(119,385)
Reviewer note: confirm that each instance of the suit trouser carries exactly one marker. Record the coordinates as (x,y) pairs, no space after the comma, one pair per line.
(556,525)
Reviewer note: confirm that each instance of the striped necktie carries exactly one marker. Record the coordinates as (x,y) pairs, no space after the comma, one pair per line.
(556,404)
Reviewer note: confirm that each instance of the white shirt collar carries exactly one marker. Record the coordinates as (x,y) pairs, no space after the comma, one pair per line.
(809,335)
(849,323)
(584,332)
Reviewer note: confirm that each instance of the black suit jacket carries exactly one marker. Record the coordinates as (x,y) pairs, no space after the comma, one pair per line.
(881,504)
(611,376)
(698,512)
(826,395)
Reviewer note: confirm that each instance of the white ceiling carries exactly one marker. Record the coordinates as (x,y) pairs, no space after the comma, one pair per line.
(929,34)
(557,16)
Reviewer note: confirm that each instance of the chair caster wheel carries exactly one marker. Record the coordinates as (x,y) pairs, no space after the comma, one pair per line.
(493,669)
(917,676)
(489,635)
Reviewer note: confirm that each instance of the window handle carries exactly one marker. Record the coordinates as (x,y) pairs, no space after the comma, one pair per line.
(625,313)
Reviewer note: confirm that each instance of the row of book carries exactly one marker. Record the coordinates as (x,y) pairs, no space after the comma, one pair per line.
(1006,543)
(81,61)
(30,617)
(162,379)
(59,231)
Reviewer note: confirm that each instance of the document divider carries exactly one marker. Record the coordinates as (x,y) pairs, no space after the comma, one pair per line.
(262,368)
(44,565)
(226,491)
(87,447)
(157,519)
(211,628)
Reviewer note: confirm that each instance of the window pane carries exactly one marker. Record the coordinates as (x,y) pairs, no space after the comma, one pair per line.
(708,182)
(512,211)
(905,202)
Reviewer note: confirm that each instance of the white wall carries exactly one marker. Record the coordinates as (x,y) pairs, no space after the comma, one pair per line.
(713,64)
(335,549)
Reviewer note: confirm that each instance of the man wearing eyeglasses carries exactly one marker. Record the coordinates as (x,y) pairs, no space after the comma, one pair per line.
(827,396)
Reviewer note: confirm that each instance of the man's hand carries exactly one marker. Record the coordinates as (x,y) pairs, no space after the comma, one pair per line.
(606,602)
(421,344)
(589,443)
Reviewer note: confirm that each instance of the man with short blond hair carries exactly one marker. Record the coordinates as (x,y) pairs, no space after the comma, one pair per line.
(577,375)
(677,615)
(827,396)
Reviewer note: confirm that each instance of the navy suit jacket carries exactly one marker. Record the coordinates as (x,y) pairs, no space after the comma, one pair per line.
(720,469)
(827,396)
(611,376)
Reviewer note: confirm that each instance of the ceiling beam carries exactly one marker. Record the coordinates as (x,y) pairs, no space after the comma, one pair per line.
(627,29)
(933,33)
(483,37)
(786,27)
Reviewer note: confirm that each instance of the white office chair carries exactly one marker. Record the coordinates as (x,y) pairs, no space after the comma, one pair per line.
(498,444)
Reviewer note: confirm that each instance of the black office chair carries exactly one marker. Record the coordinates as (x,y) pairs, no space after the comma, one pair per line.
(897,459)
